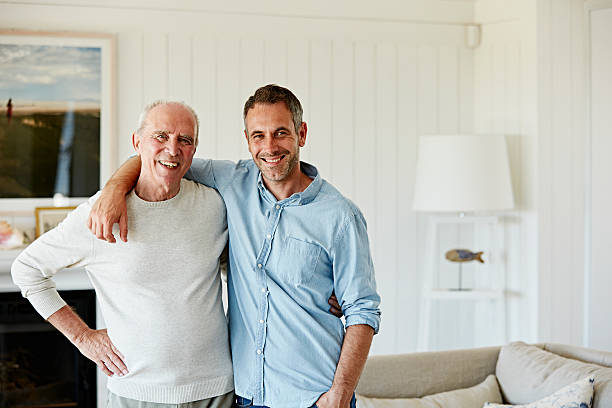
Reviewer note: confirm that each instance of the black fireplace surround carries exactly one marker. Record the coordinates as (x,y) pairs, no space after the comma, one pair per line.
(39,367)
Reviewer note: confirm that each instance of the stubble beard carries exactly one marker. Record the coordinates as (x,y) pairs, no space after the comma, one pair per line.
(275,176)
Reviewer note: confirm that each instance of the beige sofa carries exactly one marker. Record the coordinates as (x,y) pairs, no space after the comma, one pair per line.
(525,373)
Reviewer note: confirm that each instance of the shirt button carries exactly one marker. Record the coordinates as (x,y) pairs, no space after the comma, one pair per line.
(261,321)
(269,236)
(259,266)
(278,207)
(258,351)
(263,289)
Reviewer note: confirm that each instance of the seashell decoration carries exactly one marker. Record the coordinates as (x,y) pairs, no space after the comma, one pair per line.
(10,237)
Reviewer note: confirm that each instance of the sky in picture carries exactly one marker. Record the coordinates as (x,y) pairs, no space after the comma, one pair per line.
(50,73)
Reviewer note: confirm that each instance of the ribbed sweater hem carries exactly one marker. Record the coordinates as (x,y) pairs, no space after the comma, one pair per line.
(171,394)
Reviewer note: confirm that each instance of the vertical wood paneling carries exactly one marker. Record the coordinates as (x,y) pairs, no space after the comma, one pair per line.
(448,90)
(155,66)
(427,90)
(298,80)
(546,180)
(578,147)
(320,126)
(179,67)
(275,62)
(251,77)
(365,128)
(386,179)
(498,100)
(562,164)
(454,318)
(129,91)
(466,91)
(343,143)
(205,94)
(230,140)
(408,286)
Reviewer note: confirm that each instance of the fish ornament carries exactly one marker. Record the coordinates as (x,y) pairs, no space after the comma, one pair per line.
(464,255)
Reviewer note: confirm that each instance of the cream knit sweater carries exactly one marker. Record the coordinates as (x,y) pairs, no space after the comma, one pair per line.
(160,293)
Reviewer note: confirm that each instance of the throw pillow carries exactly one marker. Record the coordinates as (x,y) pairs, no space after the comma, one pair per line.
(575,395)
(527,373)
(473,397)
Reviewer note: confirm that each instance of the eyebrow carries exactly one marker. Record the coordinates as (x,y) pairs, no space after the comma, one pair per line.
(165,133)
(275,130)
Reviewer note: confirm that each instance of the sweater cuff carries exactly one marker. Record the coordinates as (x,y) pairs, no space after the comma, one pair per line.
(46,302)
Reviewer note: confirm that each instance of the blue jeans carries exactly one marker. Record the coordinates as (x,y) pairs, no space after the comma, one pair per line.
(242,402)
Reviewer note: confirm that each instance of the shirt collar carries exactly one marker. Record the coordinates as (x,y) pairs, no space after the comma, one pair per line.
(303,197)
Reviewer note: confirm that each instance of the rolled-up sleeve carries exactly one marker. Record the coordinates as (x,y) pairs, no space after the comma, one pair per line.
(69,244)
(354,280)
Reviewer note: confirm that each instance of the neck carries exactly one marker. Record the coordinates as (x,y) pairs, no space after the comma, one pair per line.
(156,192)
(295,183)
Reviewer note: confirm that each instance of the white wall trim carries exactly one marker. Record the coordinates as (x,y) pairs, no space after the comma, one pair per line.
(589,7)
(388,11)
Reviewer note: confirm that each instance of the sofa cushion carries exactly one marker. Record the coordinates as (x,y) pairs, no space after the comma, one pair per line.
(473,397)
(576,395)
(527,373)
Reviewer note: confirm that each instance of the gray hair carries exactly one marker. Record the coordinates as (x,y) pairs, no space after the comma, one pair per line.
(145,112)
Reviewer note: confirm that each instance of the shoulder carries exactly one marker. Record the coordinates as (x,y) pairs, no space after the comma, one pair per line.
(331,197)
(199,196)
(190,188)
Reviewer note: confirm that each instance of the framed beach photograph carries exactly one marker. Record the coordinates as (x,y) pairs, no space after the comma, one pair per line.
(48,218)
(56,116)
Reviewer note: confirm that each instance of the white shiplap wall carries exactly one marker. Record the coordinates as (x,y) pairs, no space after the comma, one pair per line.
(505,100)
(369,88)
(562,137)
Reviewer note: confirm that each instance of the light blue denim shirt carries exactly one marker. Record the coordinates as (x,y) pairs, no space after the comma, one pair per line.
(285,259)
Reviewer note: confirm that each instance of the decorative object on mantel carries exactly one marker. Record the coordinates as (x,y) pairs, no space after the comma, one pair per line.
(460,174)
(11,237)
(461,256)
(48,218)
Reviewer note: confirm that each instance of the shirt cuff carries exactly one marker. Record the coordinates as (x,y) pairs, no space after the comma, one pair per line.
(357,319)
(46,302)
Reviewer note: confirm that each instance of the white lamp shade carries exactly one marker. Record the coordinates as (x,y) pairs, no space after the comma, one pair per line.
(463,173)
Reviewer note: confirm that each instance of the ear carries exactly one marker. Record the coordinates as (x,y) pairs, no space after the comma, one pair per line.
(136,142)
(246,135)
(302,134)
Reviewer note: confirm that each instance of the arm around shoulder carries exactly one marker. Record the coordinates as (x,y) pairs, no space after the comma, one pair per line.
(110,208)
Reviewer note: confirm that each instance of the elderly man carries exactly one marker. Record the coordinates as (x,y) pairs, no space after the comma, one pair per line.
(166,340)
(294,239)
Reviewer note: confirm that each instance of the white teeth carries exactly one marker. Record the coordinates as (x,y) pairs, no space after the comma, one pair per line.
(168,164)
(273,160)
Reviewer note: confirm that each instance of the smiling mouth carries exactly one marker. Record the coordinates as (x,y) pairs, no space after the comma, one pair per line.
(167,164)
(272,160)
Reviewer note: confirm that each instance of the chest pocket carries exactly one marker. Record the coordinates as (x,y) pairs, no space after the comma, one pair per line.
(297,261)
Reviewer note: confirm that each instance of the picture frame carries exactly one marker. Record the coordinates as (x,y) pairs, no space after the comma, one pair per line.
(54,86)
(48,218)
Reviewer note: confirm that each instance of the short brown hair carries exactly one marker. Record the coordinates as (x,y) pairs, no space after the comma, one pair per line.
(271,94)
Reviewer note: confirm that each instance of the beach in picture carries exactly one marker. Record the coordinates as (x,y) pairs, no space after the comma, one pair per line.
(49,120)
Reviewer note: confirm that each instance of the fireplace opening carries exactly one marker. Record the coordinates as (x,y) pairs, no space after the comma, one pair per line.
(39,367)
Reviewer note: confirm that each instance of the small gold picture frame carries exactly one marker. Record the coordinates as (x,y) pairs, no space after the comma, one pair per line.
(48,218)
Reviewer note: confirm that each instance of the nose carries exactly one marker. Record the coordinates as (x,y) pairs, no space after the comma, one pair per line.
(172,147)
(269,143)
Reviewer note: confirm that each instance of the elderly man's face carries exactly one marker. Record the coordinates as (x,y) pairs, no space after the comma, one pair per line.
(166,144)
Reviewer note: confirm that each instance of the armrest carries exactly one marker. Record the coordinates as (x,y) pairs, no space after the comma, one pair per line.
(416,375)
